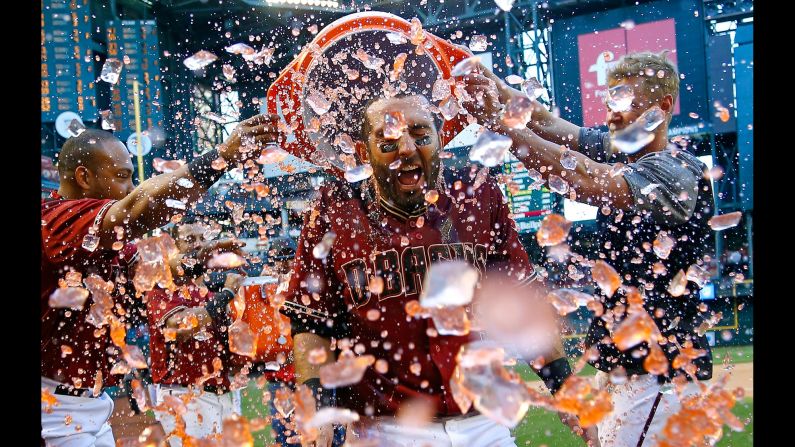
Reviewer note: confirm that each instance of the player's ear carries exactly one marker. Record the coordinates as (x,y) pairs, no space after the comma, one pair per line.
(83,177)
(667,103)
(361,151)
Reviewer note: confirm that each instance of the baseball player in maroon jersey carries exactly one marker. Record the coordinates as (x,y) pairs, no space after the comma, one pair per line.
(385,227)
(95,204)
(188,359)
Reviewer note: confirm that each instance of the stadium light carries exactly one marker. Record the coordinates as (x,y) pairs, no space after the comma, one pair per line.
(317,3)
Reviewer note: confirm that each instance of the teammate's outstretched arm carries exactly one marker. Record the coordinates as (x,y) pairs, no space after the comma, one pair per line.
(543,122)
(145,207)
(590,182)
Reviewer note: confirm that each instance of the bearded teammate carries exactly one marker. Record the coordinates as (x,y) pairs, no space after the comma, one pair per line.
(384,227)
(95,207)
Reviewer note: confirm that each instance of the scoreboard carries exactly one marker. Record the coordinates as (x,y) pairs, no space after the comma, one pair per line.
(528,205)
(67,66)
(134,42)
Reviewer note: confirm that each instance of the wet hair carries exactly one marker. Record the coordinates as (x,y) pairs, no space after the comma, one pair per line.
(365,129)
(81,151)
(637,65)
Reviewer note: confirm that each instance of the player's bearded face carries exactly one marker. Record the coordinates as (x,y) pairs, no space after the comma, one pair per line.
(417,148)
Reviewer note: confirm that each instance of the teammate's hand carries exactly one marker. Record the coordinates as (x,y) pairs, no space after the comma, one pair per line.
(324,438)
(486,105)
(250,135)
(188,322)
(233,281)
(589,435)
(222,245)
(506,91)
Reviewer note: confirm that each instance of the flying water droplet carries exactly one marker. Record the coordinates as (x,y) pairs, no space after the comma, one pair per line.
(359,173)
(478,43)
(465,67)
(490,148)
(200,60)
(111,70)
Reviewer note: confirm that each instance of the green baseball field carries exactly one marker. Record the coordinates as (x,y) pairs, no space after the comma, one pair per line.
(543,428)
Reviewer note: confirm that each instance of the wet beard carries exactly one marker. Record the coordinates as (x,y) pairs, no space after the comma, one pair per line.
(384,180)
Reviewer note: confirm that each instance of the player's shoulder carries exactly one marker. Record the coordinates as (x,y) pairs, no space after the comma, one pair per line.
(72,205)
(337,191)
(336,188)
(69,211)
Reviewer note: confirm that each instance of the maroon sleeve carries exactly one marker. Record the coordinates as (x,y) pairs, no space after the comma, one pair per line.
(159,305)
(314,300)
(506,252)
(64,226)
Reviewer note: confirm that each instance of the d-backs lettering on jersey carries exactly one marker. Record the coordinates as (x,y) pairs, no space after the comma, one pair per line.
(405,272)
(330,296)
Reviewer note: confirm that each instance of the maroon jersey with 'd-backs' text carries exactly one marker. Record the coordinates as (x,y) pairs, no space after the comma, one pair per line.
(376,239)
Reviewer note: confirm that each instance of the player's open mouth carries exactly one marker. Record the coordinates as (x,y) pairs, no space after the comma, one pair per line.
(410,175)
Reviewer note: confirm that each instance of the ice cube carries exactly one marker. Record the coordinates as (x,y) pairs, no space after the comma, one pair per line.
(533,88)
(90,242)
(620,97)
(505,5)
(322,249)
(106,118)
(449,108)
(441,90)
(554,230)
(606,277)
(396,38)
(242,340)
(318,102)
(632,138)
(68,297)
(652,118)
(347,370)
(359,173)
(478,43)
(517,112)
(240,48)
(449,283)
(663,245)
(465,67)
(724,221)
(490,148)
(111,70)
(557,184)
(200,60)
(75,127)
(226,261)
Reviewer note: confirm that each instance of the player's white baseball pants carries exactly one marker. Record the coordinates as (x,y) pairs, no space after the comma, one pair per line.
(472,431)
(632,407)
(213,408)
(87,419)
